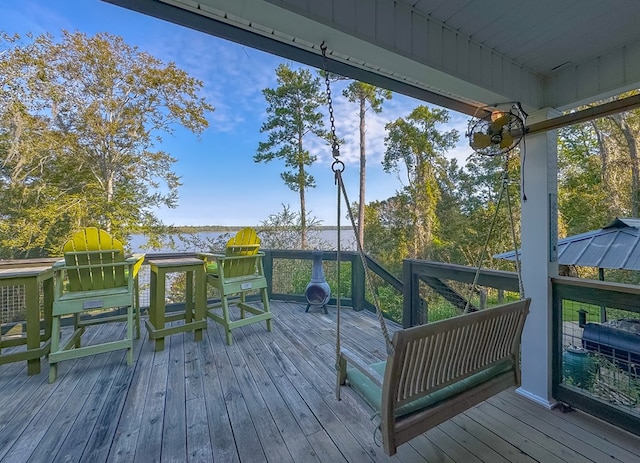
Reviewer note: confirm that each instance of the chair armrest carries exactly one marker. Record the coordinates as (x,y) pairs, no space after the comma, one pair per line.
(137,260)
(209,256)
(358,362)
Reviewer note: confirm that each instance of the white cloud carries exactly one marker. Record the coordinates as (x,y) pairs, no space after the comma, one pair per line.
(348,129)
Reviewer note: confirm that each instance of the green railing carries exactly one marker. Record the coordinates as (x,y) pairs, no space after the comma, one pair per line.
(435,290)
(596,349)
(289,271)
(605,382)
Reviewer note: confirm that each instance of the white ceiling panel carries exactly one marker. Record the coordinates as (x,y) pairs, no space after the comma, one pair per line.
(544,53)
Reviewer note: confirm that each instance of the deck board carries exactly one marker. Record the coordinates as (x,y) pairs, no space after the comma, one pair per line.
(268,397)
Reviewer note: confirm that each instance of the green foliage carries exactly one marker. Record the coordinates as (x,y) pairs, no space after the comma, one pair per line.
(390,302)
(386,232)
(284,231)
(470,205)
(582,192)
(415,146)
(363,94)
(293,115)
(79,123)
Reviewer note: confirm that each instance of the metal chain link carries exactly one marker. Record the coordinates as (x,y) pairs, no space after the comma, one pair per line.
(338,168)
(337,165)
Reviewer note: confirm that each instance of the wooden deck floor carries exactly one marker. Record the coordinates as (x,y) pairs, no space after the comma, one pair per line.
(269,397)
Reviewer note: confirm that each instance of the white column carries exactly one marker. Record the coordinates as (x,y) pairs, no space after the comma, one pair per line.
(539,236)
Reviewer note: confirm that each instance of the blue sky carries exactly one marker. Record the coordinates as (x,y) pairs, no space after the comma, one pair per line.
(222,185)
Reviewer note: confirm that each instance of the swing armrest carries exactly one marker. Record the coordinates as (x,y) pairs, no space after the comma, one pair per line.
(361,364)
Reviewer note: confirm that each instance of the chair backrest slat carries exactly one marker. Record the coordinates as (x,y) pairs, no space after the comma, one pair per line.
(93,257)
(245,243)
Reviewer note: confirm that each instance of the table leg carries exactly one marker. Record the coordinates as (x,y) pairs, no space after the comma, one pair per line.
(157,306)
(201,299)
(47,295)
(188,303)
(32,308)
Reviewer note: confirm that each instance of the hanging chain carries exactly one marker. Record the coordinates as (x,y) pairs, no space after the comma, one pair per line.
(338,168)
(504,192)
(515,244)
(338,165)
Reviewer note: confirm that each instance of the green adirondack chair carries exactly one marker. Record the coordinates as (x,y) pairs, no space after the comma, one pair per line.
(94,276)
(234,273)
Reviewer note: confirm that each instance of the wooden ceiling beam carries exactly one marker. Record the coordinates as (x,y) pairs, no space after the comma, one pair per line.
(584,115)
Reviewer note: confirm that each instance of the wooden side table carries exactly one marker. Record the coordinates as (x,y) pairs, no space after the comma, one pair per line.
(157,317)
(37,343)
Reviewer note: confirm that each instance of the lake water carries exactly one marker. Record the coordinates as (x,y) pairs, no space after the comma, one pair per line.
(348,240)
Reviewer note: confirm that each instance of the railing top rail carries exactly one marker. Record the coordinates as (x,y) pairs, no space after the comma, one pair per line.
(384,273)
(597,284)
(499,279)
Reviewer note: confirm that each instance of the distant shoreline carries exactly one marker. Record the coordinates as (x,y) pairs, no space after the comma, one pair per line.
(227,228)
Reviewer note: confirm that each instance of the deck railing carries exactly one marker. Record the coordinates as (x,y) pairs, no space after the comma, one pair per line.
(436,290)
(604,379)
(285,285)
(596,351)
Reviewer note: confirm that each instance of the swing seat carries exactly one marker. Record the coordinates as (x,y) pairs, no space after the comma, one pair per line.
(439,370)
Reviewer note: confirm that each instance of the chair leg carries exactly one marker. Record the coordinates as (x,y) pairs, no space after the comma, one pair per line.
(130,317)
(55,346)
(241,305)
(342,371)
(225,316)
(76,325)
(265,305)
(137,306)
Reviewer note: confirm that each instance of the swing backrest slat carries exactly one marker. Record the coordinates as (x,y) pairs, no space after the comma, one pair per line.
(445,354)
(438,370)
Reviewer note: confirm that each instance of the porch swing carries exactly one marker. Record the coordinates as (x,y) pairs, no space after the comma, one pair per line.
(435,371)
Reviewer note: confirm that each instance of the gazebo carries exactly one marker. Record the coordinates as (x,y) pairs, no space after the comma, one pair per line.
(614,246)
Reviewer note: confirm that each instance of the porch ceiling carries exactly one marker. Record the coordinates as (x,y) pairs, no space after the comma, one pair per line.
(455,53)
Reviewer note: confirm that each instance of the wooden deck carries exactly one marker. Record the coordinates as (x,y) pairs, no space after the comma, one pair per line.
(268,397)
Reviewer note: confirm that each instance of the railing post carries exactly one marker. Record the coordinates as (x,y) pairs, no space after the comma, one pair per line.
(267,263)
(357,282)
(407,293)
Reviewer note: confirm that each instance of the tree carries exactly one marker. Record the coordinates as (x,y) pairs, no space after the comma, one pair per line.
(387,225)
(470,205)
(80,121)
(284,231)
(292,115)
(627,126)
(416,145)
(585,201)
(363,94)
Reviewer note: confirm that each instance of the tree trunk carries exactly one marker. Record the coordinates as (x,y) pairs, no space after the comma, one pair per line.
(107,218)
(363,173)
(604,158)
(627,132)
(303,205)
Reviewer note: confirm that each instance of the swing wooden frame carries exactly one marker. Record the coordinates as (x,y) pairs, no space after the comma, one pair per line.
(439,370)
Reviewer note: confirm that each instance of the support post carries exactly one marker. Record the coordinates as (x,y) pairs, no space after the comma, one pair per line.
(539,258)
(358,283)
